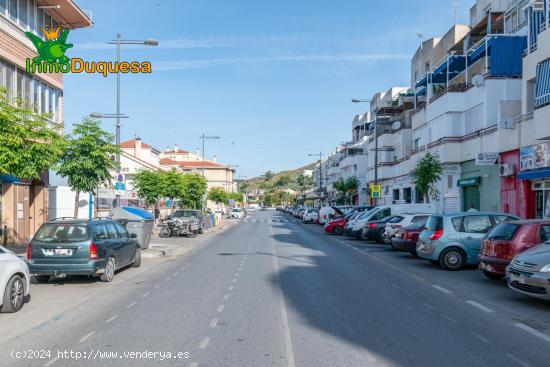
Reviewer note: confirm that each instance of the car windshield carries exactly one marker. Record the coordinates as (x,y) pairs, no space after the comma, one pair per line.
(236,210)
(63,233)
(434,223)
(186,213)
(367,213)
(503,231)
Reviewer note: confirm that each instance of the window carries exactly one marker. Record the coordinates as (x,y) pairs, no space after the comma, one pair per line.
(23,14)
(542,89)
(420,220)
(36,98)
(122,232)
(100,232)
(28,92)
(416,144)
(32,23)
(58,106)
(434,223)
(9,71)
(504,231)
(3,6)
(457,223)
(47,19)
(450,182)
(396,194)
(19,89)
(502,218)
(51,109)
(13,10)
(476,224)
(395,219)
(39,21)
(63,232)
(111,231)
(544,233)
(381,214)
(44,99)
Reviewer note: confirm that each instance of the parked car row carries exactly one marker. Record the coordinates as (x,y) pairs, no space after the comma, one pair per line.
(500,244)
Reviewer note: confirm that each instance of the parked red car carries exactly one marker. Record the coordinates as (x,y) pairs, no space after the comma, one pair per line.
(337,225)
(508,239)
(406,238)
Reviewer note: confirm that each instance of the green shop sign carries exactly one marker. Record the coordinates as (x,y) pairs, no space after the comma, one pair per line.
(469,181)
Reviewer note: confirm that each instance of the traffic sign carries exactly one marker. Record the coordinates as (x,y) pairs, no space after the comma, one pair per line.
(376,191)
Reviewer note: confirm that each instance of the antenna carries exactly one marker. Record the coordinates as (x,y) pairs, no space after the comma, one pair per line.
(456,4)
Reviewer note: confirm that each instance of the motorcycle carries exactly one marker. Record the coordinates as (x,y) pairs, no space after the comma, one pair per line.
(173,227)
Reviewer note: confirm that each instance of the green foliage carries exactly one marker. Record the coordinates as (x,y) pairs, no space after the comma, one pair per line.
(218,195)
(428,171)
(283,181)
(29,143)
(346,188)
(237,196)
(149,186)
(268,175)
(172,185)
(194,187)
(304,182)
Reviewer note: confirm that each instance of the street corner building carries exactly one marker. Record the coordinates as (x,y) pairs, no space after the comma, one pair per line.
(24,203)
(479,98)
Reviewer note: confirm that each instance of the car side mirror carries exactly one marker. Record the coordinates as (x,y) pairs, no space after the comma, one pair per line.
(133,235)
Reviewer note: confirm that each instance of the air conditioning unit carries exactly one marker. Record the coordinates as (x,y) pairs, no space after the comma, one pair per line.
(506,169)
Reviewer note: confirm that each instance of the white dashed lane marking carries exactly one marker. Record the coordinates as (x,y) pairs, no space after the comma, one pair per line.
(518,361)
(51,362)
(533,331)
(479,306)
(226,297)
(220,308)
(485,340)
(111,319)
(204,343)
(85,337)
(145,295)
(230,288)
(213,323)
(442,289)
(131,305)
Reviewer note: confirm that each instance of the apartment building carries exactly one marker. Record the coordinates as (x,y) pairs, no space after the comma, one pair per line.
(24,203)
(217,174)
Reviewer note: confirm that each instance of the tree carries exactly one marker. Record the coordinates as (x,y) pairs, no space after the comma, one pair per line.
(304,182)
(173,185)
(428,171)
(268,175)
(218,195)
(346,188)
(29,143)
(149,186)
(283,181)
(194,187)
(86,161)
(237,196)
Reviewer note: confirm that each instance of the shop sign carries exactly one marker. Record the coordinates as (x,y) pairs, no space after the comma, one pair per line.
(486,159)
(450,169)
(534,157)
(469,181)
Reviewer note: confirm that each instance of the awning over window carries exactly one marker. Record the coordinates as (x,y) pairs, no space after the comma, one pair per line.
(542,93)
(454,65)
(422,82)
(421,91)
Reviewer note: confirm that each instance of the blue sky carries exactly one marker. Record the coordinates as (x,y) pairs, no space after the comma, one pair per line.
(274,79)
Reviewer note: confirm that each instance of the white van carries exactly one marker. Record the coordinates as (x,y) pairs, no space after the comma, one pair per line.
(383,211)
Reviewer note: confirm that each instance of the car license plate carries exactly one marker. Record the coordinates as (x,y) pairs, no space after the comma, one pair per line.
(58,252)
(518,278)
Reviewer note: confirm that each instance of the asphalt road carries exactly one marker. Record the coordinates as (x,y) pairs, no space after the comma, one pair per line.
(273,292)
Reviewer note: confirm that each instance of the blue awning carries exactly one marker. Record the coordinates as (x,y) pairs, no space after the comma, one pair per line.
(534,175)
(9,179)
(422,82)
(476,54)
(542,93)
(421,91)
(454,65)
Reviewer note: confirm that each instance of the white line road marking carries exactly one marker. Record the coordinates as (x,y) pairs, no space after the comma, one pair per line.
(230,288)
(182,268)
(111,319)
(145,295)
(237,274)
(51,362)
(157,286)
(480,306)
(442,289)
(85,337)
(194,364)
(284,315)
(485,340)
(396,286)
(449,318)
(131,305)
(385,279)
(428,306)
(213,323)
(167,279)
(518,361)
(220,308)
(533,331)
(226,297)
(175,273)
(204,343)
(234,280)
(411,295)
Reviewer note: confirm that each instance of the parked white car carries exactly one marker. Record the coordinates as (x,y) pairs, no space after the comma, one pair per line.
(311,215)
(14,281)
(236,213)
(408,219)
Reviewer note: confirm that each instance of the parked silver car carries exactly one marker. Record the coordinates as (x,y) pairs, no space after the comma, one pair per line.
(529,272)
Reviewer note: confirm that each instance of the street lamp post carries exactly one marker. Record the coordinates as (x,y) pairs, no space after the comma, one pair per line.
(118,42)
(203,138)
(320,175)
(375,113)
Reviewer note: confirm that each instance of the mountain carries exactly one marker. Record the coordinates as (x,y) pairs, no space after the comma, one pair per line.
(276,180)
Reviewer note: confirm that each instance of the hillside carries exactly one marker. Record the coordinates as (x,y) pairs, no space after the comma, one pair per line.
(261,182)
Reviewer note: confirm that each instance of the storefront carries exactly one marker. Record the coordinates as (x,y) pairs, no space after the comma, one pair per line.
(480,186)
(516,195)
(535,169)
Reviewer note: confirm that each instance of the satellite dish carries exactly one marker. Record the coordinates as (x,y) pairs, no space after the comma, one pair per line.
(478,80)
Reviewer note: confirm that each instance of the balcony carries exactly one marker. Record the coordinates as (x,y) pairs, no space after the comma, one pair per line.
(7,26)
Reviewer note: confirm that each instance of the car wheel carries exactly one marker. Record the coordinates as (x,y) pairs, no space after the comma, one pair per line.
(14,295)
(165,232)
(192,234)
(42,278)
(137,258)
(109,273)
(338,231)
(201,231)
(452,259)
(493,276)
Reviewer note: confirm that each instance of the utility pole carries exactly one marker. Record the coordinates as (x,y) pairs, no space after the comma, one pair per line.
(320,154)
